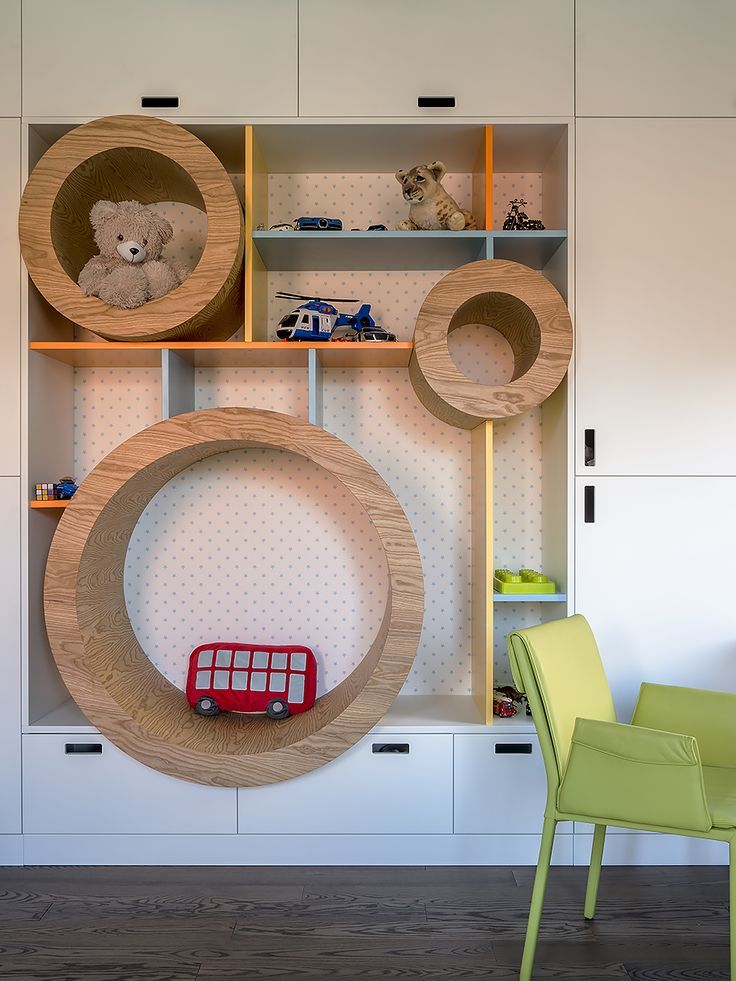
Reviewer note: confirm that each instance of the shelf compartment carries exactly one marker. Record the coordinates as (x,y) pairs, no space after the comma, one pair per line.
(232,354)
(533,249)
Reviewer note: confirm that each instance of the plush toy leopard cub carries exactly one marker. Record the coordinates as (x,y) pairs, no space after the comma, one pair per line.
(430,206)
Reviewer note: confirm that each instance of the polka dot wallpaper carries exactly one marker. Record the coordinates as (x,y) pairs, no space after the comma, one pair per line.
(359,200)
(259,546)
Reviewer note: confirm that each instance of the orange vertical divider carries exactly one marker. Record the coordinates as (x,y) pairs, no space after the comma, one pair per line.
(256,211)
(489,177)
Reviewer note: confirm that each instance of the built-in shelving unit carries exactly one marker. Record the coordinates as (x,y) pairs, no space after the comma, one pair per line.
(266,162)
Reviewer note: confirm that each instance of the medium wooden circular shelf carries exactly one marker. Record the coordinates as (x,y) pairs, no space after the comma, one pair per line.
(104,666)
(147,160)
(521,305)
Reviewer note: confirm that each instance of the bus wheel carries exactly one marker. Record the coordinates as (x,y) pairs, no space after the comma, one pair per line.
(277,709)
(206,706)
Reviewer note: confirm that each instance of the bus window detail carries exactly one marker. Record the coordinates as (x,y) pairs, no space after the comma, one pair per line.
(280,681)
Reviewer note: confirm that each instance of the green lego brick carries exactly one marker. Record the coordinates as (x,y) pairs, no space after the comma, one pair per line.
(525,582)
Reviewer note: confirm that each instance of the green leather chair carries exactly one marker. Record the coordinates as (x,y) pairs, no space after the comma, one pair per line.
(672,769)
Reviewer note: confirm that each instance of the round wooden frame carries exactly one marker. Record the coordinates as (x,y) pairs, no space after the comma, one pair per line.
(518,302)
(104,666)
(147,160)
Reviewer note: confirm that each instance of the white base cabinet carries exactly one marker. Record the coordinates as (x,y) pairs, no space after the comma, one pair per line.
(85,785)
(500,785)
(383,785)
(10,662)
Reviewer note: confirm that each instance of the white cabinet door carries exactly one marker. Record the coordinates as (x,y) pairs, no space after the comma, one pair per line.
(658,58)
(378,57)
(9,297)
(405,788)
(500,785)
(219,58)
(10,766)
(74,784)
(653,577)
(10,58)
(655,314)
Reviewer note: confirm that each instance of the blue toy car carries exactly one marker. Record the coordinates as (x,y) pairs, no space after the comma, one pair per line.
(318,225)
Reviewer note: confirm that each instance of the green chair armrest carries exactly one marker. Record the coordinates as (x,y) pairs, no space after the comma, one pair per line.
(709,716)
(619,773)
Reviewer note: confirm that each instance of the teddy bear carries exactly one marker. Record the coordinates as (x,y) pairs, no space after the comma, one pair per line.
(129,270)
(430,206)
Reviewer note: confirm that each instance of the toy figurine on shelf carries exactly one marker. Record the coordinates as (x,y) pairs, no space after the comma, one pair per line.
(319,320)
(518,220)
(64,490)
(506,693)
(252,679)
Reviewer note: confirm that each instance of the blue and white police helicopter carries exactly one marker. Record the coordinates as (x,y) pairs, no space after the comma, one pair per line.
(318,320)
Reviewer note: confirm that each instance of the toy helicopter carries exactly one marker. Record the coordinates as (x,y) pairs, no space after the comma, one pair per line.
(318,320)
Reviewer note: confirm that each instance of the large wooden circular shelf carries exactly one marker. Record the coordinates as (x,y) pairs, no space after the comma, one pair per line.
(148,160)
(519,303)
(109,675)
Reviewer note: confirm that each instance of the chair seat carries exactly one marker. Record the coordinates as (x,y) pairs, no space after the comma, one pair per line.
(720,791)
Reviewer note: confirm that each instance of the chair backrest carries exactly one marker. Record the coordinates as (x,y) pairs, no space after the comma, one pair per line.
(559,667)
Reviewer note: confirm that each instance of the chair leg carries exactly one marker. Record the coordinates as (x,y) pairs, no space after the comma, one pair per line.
(732,904)
(594,872)
(535,910)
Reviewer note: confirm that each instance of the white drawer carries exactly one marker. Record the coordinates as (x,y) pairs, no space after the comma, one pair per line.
(361,792)
(500,785)
(68,792)
(219,57)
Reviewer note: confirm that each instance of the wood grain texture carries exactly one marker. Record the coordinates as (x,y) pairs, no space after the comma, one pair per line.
(123,924)
(148,160)
(519,303)
(109,675)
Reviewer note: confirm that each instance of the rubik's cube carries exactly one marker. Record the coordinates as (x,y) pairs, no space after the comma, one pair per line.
(45,492)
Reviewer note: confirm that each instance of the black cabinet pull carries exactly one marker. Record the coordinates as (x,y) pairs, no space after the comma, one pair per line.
(519,749)
(589,504)
(83,748)
(436,102)
(590,447)
(159,102)
(391,748)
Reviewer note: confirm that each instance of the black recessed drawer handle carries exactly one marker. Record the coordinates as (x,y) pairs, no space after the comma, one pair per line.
(83,748)
(391,748)
(436,102)
(517,749)
(590,447)
(159,102)
(589,504)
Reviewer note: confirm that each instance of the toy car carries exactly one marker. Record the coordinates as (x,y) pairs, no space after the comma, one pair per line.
(66,489)
(282,226)
(375,334)
(251,678)
(318,225)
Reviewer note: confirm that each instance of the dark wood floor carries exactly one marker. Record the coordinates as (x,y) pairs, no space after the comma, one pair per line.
(173,924)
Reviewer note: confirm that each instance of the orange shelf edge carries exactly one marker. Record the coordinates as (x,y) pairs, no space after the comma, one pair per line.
(48,504)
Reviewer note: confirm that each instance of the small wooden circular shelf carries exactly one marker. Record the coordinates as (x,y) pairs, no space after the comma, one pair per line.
(104,666)
(519,303)
(148,160)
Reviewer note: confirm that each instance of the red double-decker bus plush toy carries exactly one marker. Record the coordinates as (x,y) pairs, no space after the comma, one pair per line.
(253,678)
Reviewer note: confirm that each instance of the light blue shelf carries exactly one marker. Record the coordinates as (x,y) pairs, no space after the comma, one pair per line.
(299,251)
(530,598)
